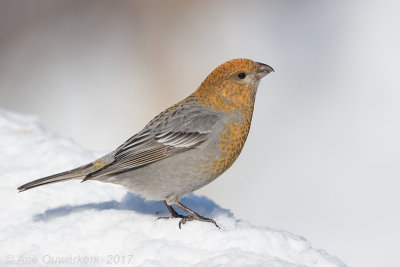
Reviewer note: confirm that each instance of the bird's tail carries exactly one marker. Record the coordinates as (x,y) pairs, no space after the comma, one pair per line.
(78,173)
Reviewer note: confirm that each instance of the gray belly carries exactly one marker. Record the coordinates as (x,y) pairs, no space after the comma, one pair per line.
(171,178)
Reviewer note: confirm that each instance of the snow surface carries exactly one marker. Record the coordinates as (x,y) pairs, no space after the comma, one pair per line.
(101,224)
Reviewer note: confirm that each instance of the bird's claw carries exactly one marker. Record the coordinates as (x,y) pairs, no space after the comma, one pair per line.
(197,218)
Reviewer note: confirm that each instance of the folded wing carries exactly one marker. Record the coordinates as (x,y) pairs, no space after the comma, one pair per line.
(174,132)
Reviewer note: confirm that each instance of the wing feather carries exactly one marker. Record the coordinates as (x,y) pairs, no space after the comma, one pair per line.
(152,150)
(172,133)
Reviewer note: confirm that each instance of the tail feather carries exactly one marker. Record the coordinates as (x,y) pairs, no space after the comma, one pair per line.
(80,172)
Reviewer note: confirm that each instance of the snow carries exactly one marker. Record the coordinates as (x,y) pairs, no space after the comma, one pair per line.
(101,224)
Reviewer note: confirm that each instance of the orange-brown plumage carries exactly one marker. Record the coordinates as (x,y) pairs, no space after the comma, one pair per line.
(223,91)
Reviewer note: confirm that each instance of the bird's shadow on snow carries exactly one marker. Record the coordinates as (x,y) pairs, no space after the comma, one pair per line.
(200,204)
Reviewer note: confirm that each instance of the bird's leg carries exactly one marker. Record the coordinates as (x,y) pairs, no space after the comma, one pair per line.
(193,216)
(174,214)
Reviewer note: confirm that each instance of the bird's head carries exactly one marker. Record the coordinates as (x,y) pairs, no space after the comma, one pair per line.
(232,85)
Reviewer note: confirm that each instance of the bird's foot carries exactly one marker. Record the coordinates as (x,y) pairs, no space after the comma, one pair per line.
(193,216)
(196,218)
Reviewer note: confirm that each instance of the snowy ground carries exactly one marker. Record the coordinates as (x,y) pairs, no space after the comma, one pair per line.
(101,224)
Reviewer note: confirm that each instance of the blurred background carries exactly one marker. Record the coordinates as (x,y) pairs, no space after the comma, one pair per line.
(323,156)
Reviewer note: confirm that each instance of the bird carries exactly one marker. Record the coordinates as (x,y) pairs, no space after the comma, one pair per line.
(184,147)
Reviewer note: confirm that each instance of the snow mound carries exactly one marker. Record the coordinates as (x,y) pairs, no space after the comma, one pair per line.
(101,224)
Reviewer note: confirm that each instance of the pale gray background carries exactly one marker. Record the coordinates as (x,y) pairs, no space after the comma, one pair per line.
(322,158)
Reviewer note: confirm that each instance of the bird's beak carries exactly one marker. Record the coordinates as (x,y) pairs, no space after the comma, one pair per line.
(263,69)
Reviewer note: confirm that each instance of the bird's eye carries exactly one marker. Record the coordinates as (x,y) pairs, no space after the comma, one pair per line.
(242,75)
